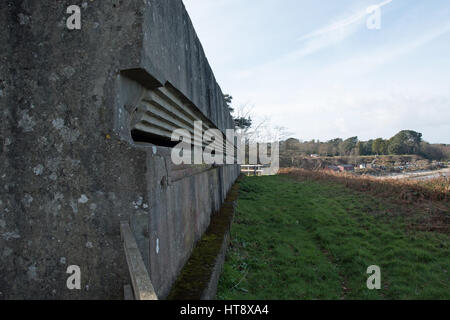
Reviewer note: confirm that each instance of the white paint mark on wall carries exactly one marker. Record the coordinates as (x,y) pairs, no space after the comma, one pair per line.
(68,71)
(32,272)
(59,147)
(10,235)
(27,200)
(59,196)
(83,199)
(67,134)
(26,123)
(58,123)
(38,169)
(138,202)
(23,19)
(74,206)
(53,77)
(53,164)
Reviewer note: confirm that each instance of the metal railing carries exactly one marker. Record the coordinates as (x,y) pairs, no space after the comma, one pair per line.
(255,170)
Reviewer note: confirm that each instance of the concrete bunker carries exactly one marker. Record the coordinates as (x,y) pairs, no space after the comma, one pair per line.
(75,165)
(151,112)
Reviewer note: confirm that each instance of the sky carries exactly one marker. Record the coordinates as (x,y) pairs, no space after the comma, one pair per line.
(326,69)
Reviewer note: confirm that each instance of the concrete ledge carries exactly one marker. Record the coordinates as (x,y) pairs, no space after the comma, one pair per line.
(199,278)
(142,286)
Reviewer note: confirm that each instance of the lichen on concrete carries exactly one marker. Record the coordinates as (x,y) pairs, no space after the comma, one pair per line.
(69,168)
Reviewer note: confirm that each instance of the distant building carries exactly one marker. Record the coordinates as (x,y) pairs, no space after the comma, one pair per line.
(333,168)
(346,167)
(362,166)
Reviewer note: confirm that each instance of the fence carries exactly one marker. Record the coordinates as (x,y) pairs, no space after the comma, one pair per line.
(252,170)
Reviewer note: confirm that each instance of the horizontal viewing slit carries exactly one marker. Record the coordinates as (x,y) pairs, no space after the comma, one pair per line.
(141,136)
(162,111)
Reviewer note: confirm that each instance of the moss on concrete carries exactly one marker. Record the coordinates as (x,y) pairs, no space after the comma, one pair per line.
(196,274)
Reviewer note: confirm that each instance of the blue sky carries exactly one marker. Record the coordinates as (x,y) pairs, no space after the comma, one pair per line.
(315,67)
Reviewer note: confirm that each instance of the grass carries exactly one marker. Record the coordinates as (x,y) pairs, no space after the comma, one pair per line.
(315,239)
(431,197)
(437,189)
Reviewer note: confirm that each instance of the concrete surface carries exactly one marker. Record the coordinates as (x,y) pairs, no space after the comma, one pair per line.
(69,170)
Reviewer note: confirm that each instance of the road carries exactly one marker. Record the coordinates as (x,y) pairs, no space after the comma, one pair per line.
(422,175)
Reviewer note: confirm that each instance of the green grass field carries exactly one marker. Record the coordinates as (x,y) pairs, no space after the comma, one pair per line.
(315,240)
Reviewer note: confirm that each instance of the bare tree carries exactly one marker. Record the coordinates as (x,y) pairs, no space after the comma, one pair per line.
(261,128)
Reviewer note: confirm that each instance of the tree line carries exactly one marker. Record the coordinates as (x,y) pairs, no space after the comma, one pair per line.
(406,142)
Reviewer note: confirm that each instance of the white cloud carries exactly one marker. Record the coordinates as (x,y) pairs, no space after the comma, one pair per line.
(339,79)
(364,114)
(322,38)
(342,24)
(358,65)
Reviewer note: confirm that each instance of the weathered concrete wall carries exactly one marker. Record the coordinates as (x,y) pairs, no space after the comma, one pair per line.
(69,169)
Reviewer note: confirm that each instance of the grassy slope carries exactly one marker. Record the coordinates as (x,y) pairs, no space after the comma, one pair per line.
(315,240)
